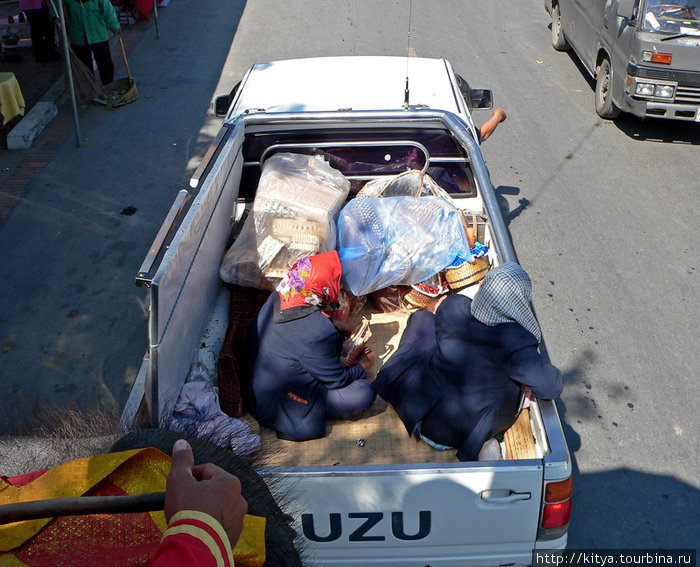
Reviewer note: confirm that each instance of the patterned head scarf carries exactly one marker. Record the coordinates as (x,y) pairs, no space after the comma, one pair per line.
(504,297)
(311,284)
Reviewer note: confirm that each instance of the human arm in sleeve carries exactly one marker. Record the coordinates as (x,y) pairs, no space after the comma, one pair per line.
(324,365)
(527,366)
(205,512)
(110,17)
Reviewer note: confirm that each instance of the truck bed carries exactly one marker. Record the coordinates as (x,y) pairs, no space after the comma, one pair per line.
(378,437)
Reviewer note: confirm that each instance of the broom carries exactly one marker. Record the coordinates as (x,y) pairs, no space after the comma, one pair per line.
(87,86)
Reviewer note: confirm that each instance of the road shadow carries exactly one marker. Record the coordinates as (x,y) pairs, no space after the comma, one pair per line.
(582,69)
(659,130)
(504,207)
(89,213)
(501,191)
(623,508)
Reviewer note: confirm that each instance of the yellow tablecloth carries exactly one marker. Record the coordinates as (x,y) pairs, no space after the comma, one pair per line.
(11,99)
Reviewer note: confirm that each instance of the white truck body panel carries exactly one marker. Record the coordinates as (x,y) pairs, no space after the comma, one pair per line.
(446,517)
(455,514)
(359,83)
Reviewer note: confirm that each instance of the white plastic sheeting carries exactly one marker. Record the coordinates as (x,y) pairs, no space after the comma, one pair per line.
(296,204)
(398,241)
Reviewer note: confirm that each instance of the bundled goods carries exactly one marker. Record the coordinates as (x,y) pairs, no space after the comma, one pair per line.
(355,344)
(293,216)
(413,183)
(464,272)
(398,241)
(389,299)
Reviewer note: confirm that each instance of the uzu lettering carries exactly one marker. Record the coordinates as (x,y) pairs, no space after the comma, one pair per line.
(364,526)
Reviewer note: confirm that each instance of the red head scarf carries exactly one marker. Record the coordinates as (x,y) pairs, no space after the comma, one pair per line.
(311,284)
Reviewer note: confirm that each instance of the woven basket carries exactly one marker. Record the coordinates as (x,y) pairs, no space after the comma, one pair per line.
(121,92)
(419,295)
(286,229)
(468,273)
(417,300)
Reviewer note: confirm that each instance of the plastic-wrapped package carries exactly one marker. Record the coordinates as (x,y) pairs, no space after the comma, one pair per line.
(398,241)
(413,183)
(293,216)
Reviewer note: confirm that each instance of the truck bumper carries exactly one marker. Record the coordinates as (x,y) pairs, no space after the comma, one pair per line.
(650,109)
(686,86)
(558,544)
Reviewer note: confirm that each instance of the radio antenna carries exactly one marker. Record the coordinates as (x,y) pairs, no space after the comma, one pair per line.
(408,50)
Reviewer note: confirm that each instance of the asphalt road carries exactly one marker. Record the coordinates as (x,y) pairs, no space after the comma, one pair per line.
(602,214)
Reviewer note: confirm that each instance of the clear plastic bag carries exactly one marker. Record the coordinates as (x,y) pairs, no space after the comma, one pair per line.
(398,241)
(413,183)
(293,216)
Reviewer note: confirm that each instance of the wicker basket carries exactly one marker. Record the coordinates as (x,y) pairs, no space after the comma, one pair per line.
(468,273)
(424,296)
(414,299)
(120,92)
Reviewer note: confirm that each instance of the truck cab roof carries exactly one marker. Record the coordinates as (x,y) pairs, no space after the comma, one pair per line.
(349,83)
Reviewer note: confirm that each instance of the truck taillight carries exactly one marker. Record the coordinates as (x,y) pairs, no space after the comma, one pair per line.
(556,515)
(558,491)
(556,509)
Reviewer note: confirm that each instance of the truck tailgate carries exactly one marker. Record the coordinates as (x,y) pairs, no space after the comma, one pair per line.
(454,515)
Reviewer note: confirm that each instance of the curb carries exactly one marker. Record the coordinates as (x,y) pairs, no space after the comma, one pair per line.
(22,136)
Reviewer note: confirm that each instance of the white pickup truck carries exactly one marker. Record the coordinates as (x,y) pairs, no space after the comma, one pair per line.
(366,493)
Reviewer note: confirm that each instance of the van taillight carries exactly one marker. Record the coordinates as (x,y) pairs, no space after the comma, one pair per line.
(556,509)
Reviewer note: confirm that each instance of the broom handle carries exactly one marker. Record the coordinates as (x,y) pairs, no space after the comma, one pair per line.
(81,505)
(126,63)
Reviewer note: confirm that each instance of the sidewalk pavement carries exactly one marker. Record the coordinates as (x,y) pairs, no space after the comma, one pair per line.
(44,89)
(76,220)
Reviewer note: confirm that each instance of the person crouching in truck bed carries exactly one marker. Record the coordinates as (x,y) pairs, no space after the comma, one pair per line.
(456,378)
(297,380)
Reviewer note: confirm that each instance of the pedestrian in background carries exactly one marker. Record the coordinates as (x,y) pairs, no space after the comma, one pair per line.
(37,12)
(88,24)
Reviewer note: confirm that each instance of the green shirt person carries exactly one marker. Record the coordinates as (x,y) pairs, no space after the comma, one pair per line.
(89,23)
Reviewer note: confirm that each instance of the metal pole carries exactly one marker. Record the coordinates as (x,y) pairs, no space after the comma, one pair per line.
(155,15)
(81,506)
(69,71)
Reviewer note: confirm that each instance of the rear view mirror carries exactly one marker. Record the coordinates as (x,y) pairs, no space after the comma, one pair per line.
(625,8)
(481,98)
(221,104)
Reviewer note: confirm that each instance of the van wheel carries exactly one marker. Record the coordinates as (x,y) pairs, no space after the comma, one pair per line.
(604,105)
(558,40)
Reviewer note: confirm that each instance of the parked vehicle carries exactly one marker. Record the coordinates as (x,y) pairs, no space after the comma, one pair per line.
(643,54)
(366,493)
